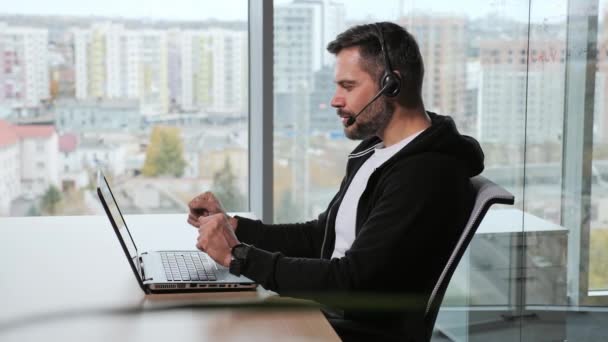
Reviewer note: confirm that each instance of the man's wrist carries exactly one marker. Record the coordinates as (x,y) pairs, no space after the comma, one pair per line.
(233,222)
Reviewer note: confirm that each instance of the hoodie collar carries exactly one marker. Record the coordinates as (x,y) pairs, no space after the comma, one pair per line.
(441,137)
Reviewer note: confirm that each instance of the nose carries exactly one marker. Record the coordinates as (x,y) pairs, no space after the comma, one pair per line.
(337,101)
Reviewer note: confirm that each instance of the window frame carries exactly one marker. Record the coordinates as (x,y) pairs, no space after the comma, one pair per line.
(582,35)
(261,58)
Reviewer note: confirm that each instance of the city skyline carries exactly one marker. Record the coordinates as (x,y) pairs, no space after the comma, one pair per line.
(231,10)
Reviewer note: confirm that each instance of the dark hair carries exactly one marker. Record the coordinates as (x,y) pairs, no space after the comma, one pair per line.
(403,53)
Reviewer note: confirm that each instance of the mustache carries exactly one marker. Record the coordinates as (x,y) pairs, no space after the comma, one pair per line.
(342,113)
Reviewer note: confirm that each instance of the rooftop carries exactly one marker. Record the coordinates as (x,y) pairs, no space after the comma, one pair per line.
(34,131)
(7,134)
(68,142)
(10,134)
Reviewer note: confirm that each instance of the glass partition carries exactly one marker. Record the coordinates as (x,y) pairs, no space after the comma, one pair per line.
(526,79)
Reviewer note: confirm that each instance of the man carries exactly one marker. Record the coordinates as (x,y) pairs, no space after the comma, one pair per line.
(400,209)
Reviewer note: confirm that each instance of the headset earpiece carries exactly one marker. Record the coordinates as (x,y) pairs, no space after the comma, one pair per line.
(390,82)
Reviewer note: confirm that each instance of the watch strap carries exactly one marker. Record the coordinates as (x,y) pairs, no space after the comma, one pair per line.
(239,256)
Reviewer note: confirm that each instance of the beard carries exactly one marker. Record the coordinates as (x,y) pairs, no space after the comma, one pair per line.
(371,122)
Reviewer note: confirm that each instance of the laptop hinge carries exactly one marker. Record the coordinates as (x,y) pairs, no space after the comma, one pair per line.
(141,266)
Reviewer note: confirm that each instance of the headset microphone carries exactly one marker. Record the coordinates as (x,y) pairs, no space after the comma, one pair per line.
(352,119)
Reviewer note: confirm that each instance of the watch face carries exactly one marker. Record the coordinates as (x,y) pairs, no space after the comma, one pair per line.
(240,251)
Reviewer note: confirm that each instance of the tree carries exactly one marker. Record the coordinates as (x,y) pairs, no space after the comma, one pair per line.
(224,187)
(54,88)
(164,155)
(33,211)
(50,200)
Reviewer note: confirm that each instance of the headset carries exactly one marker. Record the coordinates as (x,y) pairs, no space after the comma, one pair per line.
(390,82)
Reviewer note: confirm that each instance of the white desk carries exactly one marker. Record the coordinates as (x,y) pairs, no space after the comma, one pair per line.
(66,278)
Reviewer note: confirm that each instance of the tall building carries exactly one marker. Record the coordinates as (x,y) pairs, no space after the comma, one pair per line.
(443,45)
(505,107)
(214,74)
(82,86)
(322,115)
(230,86)
(195,70)
(24,72)
(153,77)
(297,55)
(302,30)
(174,67)
(472,94)
(332,20)
(297,47)
(114,62)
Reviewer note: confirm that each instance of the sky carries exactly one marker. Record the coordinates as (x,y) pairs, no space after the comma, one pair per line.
(154,9)
(237,9)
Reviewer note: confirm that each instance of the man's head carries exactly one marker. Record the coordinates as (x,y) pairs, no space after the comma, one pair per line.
(360,65)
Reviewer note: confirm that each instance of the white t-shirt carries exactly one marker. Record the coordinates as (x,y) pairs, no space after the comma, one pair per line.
(347,213)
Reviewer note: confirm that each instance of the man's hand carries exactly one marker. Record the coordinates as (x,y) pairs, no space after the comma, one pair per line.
(206,204)
(216,238)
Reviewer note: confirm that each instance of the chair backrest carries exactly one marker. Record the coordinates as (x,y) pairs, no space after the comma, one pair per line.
(487,193)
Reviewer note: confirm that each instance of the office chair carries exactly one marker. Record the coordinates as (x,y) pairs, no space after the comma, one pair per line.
(487,193)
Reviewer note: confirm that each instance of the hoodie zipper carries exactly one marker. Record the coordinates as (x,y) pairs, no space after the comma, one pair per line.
(327,225)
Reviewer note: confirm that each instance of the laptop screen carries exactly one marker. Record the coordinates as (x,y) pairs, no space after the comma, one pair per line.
(116,216)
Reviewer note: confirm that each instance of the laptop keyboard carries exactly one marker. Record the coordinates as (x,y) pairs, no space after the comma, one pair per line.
(188,266)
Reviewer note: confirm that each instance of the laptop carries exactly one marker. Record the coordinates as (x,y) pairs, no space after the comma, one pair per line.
(168,271)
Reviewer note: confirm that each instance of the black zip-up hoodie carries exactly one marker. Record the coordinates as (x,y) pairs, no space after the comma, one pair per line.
(408,220)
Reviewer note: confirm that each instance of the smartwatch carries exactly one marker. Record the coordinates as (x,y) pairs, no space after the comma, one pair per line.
(239,256)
